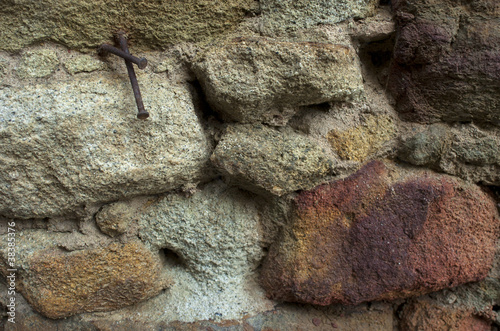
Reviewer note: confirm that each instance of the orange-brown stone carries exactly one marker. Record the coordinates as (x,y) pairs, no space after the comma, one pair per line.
(377,235)
(60,284)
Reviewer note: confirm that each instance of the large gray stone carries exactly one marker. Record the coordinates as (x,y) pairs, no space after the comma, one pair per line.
(281,16)
(215,232)
(463,150)
(265,80)
(69,143)
(217,235)
(278,161)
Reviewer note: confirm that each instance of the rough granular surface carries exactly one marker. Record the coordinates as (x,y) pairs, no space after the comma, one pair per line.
(373,236)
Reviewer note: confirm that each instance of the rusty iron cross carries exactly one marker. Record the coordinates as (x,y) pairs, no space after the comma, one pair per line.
(129,59)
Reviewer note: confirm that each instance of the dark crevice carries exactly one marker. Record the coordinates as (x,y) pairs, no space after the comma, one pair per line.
(201,105)
(171,258)
(376,57)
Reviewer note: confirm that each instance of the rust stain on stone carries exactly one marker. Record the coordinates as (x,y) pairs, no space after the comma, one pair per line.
(373,236)
(61,284)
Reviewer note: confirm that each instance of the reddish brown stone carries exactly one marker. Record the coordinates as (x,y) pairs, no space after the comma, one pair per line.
(447,60)
(375,236)
(425,314)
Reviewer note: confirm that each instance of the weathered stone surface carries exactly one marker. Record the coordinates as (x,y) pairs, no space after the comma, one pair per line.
(483,151)
(381,26)
(282,16)
(279,161)
(217,238)
(426,147)
(113,219)
(426,314)
(69,143)
(463,150)
(37,63)
(447,61)
(83,63)
(28,319)
(379,236)
(358,143)
(4,64)
(474,154)
(215,232)
(84,25)
(264,80)
(59,283)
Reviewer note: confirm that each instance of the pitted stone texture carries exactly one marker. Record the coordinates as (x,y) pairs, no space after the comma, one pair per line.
(217,236)
(113,219)
(59,284)
(361,141)
(285,16)
(37,63)
(215,232)
(264,80)
(374,236)
(278,161)
(447,61)
(83,63)
(473,155)
(426,314)
(70,143)
(426,147)
(464,150)
(85,25)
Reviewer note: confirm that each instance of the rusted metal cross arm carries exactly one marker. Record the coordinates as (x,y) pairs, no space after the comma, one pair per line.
(129,59)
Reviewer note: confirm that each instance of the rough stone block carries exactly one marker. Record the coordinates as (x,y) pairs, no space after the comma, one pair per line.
(278,161)
(37,63)
(264,80)
(216,236)
(85,25)
(447,61)
(382,235)
(59,284)
(359,142)
(68,143)
(282,16)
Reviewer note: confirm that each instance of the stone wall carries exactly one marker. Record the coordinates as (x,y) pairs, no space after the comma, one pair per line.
(307,165)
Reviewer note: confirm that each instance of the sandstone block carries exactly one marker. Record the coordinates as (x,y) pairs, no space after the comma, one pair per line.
(281,16)
(68,143)
(213,240)
(85,25)
(447,63)
(264,80)
(382,235)
(464,150)
(278,161)
(474,154)
(59,284)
